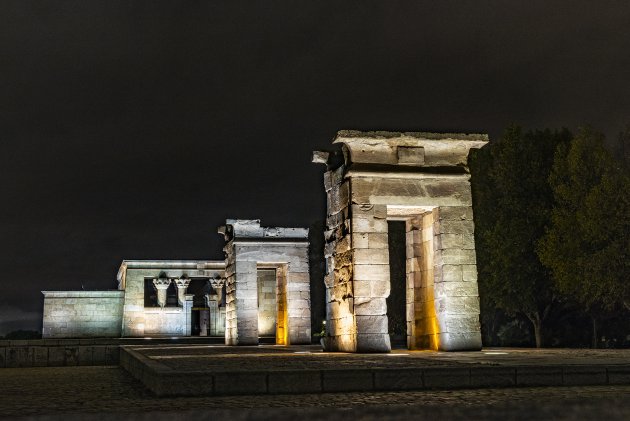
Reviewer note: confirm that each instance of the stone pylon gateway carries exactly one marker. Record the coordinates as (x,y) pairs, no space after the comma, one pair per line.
(267,283)
(423,180)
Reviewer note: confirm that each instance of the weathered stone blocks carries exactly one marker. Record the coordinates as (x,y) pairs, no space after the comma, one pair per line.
(250,250)
(401,173)
(69,314)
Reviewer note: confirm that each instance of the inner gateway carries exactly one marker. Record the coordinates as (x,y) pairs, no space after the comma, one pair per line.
(272,304)
(411,240)
(267,303)
(396,319)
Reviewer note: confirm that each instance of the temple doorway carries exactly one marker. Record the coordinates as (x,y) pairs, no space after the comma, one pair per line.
(396,317)
(272,304)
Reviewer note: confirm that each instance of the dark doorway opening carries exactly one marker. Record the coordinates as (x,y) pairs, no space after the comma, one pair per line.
(195,327)
(396,302)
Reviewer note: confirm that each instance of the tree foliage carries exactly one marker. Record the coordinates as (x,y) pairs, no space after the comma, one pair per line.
(587,246)
(513,204)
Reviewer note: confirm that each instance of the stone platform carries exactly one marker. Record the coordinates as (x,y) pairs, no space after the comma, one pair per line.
(198,370)
(86,352)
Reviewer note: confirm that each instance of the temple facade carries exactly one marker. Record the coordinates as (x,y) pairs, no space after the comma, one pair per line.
(267,294)
(267,283)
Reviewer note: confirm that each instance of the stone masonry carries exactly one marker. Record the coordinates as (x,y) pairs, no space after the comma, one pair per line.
(422,179)
(82,314)
(250,248)
(138,320)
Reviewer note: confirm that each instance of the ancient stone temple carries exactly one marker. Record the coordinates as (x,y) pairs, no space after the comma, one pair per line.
(171,297)
(267,294)
(420,180)
(267,283)
(154,298)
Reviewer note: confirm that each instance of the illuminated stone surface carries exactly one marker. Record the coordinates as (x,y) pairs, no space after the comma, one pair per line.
(161,286)
(127,312)
(422,179)
(80,314)
(140,319)
(280,307)
(181,284)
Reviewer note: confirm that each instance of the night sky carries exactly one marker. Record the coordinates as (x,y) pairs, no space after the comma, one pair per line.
(132,129)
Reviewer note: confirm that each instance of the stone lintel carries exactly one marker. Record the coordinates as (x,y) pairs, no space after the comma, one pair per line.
(369,171)
(185,265)
(410,149)
(84,294)
(274,241)
(245,229)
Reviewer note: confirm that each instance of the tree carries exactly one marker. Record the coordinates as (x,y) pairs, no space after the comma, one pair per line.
(513,202)
(623,148)
(587,246)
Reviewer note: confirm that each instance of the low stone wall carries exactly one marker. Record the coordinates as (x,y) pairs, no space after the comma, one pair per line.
(75,352)
(82,314)
(58,353)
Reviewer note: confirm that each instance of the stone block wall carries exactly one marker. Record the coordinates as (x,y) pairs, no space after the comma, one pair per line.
(231,329)
(282,326)
(82,314)
(422,322)
(340,318)
(456,291)
(167,321)
(216,319)
(371,276)
(140,321)
(249,248)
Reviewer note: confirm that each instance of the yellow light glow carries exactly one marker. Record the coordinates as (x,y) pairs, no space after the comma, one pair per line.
(282,326)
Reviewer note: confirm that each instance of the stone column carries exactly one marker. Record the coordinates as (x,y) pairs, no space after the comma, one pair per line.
(370,260)
(217,319)
(204,322)
(340,319)
(456,292)
(181,284)
(213,310)
(217,285)
(231,334)
(245,295)
(298,296)
(161,285)
(187,306)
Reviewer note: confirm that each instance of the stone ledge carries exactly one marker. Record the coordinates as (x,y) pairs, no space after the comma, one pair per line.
(84,294)
(164,381)
(382,134)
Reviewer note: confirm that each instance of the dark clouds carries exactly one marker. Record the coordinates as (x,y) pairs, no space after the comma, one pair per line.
(133,129)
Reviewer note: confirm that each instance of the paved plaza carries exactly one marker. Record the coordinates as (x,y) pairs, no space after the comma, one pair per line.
(51,393)
(209,357)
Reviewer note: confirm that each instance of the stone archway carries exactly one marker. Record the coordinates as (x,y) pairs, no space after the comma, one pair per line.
(250,248)
(420,178)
